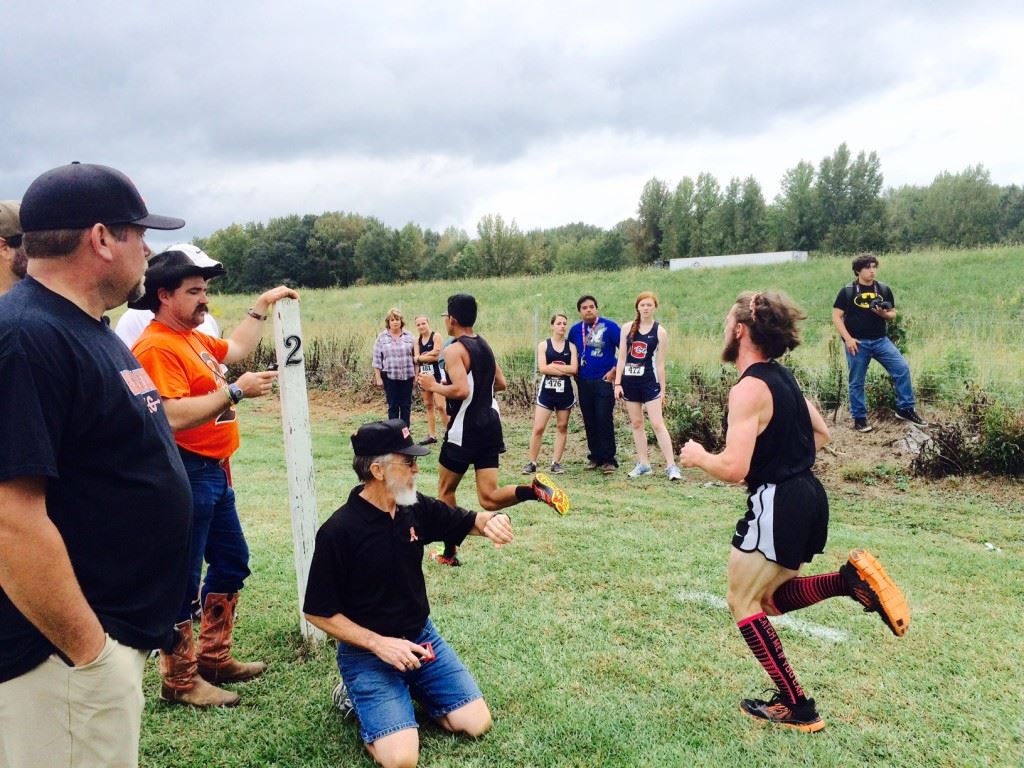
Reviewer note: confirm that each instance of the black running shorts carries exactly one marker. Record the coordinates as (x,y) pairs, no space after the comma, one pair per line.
(786,522)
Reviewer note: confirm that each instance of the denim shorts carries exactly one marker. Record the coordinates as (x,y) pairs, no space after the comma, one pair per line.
(382,696)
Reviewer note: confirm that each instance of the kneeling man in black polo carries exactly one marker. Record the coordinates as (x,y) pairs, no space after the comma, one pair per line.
(366,590)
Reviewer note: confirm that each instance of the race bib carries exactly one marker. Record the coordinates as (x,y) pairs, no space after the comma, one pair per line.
(554,385)
(426,368)
(633,370)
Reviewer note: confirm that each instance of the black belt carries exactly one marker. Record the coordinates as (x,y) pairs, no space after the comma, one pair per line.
(198,457)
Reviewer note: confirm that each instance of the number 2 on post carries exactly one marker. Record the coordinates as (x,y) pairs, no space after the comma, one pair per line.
(293,344)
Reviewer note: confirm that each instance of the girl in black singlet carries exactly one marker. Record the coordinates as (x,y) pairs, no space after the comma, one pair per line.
(557,362)
(428,351)
(640,381)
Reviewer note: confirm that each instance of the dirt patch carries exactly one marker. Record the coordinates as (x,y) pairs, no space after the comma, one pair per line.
(884,455)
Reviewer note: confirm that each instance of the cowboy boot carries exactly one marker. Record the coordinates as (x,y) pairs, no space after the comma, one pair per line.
(215,662)
(181,682)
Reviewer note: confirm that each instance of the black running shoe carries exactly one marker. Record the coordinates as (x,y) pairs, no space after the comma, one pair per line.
(801,717)
(861,425)
(909,414)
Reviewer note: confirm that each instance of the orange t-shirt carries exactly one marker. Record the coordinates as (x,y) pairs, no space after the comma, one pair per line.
(188,365)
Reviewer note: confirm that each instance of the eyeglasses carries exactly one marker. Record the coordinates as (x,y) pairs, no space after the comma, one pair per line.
(14,241)
(409,461)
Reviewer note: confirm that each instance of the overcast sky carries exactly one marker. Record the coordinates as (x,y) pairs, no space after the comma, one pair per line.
(545,112)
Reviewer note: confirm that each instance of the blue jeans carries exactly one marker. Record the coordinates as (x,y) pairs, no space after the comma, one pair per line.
(885,352)
(217,534)
(597,407)
(382,696)
(398,393)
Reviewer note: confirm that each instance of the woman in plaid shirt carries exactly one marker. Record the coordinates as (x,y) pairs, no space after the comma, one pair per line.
(393,365)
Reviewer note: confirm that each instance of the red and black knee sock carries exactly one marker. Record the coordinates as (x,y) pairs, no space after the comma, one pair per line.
(767,649)
(802,591)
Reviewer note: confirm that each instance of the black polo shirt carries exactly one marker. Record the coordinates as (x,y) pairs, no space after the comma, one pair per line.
(368,566)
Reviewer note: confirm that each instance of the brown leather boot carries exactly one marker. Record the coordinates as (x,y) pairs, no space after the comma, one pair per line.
(215,662)
(181,682)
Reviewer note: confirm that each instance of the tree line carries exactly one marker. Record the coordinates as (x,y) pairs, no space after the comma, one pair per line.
(839,206)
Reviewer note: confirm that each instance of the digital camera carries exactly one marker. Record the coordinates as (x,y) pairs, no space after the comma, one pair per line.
(879,303)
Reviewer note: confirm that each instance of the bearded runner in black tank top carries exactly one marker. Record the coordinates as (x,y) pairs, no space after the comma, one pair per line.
(475,424)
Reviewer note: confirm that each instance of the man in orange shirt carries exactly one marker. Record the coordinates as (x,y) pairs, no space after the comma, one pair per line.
(185,366)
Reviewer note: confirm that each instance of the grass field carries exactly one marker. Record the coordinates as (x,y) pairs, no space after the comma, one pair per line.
(956,305)
(599,639)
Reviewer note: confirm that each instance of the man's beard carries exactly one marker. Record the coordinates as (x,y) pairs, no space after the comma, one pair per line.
(731,351)
(405,496)
(20,264)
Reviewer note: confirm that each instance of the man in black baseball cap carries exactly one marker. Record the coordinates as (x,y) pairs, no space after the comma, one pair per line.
(95,507)
(366,590)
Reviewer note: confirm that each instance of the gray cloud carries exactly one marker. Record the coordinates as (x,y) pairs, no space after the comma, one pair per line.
(209,88)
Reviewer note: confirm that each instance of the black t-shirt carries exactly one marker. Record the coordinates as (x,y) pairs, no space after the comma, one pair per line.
(368,566)
(786,447)
(855,301)
(79,410)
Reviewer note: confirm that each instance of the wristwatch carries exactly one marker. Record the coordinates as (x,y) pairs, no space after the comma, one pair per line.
(235,393)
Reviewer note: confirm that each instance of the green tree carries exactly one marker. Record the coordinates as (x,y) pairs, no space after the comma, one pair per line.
(501,248)
(751,218)
(679,223)
(797,224)
(332,248)
(706,199)
(376,254)
(411,252)
(653,204)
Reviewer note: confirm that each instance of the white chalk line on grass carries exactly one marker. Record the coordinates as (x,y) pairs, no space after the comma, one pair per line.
(808,628)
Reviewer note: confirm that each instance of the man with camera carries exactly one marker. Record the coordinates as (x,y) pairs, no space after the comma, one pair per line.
(366,590)
(860,313)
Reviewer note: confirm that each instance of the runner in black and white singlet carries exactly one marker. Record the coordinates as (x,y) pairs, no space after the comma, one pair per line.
(640,381)
(427,354)
(557,361)
(773,435)
(474,436)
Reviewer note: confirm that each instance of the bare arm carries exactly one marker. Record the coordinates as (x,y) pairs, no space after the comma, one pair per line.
(500,385)
(620,366)
(574,360)
(662,355)
(400,653)
(433,355)
(840,324)
(821,434)
(189,412)
(246,336)
(750,409)
(36,572)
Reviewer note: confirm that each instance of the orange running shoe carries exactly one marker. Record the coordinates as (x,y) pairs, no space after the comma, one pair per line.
(801,718)
(439,558)
(546,490)
(871,586)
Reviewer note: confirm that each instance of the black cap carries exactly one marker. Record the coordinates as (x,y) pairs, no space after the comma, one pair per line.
(381,437)
(170,267)
(78,195)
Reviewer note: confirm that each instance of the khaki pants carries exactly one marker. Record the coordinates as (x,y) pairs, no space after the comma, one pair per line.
(78,717)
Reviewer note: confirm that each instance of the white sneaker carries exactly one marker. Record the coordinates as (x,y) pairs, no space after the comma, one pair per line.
(640,470)
(673,473)
(341,700)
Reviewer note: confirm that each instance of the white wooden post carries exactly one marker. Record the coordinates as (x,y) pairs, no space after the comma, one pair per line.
(298,446)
